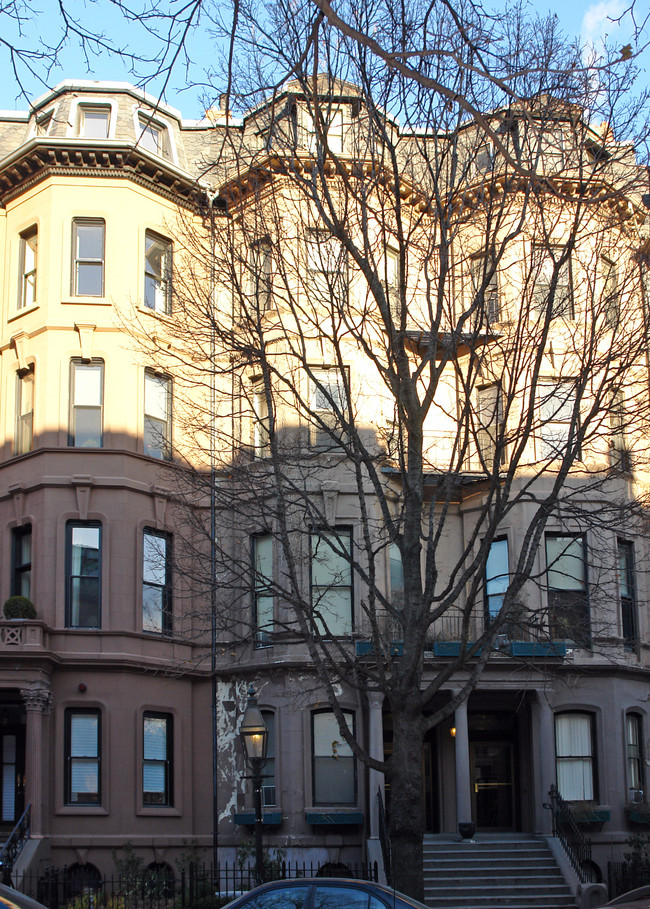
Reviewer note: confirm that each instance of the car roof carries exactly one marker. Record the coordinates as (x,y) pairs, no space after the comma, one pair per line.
(380,889)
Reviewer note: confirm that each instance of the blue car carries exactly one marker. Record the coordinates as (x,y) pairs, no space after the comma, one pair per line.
(324,893)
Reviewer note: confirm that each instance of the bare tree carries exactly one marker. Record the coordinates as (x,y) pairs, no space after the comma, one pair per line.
(392,339)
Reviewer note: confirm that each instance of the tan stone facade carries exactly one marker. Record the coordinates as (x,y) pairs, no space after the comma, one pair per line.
(105,697)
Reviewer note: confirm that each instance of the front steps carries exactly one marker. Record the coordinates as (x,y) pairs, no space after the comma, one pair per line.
(497,871)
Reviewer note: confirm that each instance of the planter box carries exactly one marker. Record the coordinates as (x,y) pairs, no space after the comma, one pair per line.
(269,818)
(334,817)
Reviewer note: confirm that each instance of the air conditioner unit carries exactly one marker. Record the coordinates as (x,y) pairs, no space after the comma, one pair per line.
(501,642)
(636,796)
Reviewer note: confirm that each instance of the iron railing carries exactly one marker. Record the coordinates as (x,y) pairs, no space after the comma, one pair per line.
(625,876)
(15,844)
(576,845)
(384,839)
(195,885)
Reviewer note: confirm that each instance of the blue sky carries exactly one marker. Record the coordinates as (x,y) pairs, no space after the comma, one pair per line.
(591,19)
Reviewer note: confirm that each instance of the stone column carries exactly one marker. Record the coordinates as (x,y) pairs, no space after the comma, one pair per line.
(38,701)
(375,778)
(463,779)
(543,760)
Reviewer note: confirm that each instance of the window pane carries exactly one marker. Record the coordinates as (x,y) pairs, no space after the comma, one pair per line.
(154,569)
(90,240)
(327,737)
(88,384)
(334,781)
(84,730)
(330,567)
(156,390)
(84,602)
(332,606)
(84,780)
(85,551)
(152,609)
(95,122)
(88,427)
(155,738)
(90,277)
(263,548)
(565,562)
(396,573)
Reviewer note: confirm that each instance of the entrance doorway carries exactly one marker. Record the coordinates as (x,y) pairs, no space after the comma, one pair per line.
(493,794)
(12,775)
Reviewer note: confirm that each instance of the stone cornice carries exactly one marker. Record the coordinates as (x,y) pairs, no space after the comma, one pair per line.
(41,158)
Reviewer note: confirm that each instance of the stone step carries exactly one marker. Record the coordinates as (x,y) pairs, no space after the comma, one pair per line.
(500,901)
(501,861)
(495,884)
(503,872)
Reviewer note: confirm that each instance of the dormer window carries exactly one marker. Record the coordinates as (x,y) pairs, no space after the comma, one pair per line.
(153,137)
(94,121)
(44,121)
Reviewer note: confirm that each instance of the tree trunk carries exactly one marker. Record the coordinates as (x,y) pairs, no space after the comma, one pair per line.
(406,810)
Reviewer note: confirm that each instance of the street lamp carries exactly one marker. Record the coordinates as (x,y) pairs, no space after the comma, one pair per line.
(254,736)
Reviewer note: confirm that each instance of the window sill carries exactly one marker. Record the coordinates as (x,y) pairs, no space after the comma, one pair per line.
(93,301)
(153,811)
(22,312)
(148,311)
(83,809)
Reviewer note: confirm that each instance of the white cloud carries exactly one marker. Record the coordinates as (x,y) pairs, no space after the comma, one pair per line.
(597,22)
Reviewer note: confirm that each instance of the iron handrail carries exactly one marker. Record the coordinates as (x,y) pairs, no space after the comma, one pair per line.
(576,845)
(384,840)
(15,844)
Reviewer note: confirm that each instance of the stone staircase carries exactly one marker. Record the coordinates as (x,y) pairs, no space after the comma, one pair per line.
(497,871)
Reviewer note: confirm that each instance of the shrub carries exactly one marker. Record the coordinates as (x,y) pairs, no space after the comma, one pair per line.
(18,607)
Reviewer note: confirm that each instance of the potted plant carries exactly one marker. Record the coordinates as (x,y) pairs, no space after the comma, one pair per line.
(19,607)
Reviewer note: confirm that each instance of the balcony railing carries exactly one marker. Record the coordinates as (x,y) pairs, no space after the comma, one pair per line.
(20,634)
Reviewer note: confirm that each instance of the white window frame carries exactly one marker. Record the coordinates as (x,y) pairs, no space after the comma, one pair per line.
(556,399)
(76,112)
(28,264)
(543,262)
(24,430)
(157,427)
(80,402)
(144,121)
(480,267)
(86,261)
(327,404)
(158,272)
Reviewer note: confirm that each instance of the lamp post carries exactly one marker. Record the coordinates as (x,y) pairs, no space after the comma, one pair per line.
(254,736)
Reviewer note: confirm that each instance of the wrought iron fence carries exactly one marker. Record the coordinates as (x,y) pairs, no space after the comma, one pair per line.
(194,887)
(624,876)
